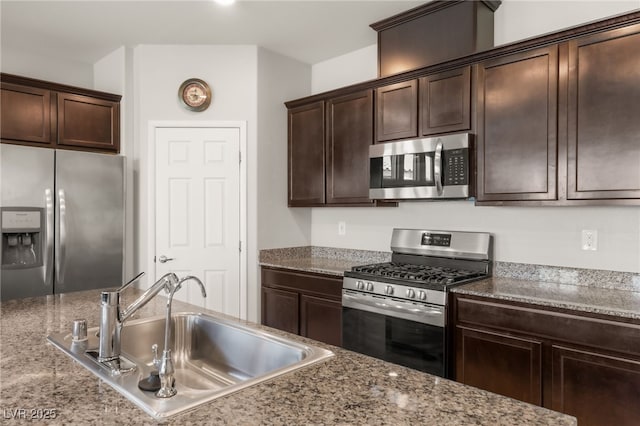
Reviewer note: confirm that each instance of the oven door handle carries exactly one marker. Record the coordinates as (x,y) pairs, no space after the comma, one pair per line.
(432,315)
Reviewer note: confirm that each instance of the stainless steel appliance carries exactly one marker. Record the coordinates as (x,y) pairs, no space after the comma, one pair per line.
(396,311)
(62,221)
(430,168)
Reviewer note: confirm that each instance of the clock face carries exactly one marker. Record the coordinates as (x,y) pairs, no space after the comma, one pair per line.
(195,94)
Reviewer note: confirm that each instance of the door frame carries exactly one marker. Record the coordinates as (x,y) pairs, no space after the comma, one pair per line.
(151,194)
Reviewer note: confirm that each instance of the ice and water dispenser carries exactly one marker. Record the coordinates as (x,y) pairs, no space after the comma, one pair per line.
(22,237)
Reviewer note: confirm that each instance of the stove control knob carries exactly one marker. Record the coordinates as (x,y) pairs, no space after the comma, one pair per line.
(411,293)
(359,285)
(369,286)
(388,290)
(422,295)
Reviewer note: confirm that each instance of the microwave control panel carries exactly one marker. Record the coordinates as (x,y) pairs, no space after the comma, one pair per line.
(456,166)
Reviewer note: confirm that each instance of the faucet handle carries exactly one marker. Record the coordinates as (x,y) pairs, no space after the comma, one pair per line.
(131,281)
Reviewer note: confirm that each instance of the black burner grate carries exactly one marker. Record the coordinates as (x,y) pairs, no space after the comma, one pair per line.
(418,273)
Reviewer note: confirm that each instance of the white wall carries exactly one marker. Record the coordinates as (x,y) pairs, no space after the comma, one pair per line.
(279,79)
(520,19)
(46,68)
(527,235)
(355,67)
(114,74)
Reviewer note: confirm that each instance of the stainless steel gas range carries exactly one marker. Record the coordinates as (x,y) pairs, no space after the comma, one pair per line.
(397,311)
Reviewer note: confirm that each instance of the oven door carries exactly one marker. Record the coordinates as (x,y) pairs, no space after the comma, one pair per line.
(401,332)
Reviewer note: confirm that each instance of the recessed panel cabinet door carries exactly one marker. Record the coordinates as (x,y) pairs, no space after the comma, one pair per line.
(306,155)
(604,116)
(397,111)
(499,363)
(445,102)
(517,127)
(25,114)
(88,122)
(350,133)
(597,389)
(280,309)
(321,319)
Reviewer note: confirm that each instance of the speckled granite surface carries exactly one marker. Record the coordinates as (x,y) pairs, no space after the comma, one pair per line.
(618,303)
(575,276)
(323,260)
(347,389)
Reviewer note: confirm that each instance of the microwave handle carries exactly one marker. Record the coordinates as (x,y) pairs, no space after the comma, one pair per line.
(437,167)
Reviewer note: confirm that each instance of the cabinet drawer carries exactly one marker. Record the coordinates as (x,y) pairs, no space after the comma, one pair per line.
(316,284)
(598,333)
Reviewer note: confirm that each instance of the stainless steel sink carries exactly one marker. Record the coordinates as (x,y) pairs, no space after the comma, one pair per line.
(212,358)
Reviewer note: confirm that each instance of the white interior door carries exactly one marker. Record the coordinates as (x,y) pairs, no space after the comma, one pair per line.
(197,212)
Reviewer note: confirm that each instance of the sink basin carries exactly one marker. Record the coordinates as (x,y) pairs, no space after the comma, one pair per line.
(212,358)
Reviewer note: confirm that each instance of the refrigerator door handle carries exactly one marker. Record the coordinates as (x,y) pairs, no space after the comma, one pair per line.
(60,258)
(48,252)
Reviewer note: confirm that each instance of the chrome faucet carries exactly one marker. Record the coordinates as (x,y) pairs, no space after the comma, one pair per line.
(167,381)
(112,317)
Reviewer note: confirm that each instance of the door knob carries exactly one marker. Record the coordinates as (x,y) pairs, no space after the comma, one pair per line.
(165,259)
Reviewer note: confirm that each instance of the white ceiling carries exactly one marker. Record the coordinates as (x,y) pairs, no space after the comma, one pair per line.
(87,30)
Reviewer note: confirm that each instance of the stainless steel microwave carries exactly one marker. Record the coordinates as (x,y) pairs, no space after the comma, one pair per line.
(429,168)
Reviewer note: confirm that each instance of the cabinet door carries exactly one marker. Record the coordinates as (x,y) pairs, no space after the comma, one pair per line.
(321,319)
(604,116)
(87,122)
(280,309)
(349,135)
(445,102)
(595,388)
(306,155)
(397,111)
(517,127)
(25,114)
(499,363)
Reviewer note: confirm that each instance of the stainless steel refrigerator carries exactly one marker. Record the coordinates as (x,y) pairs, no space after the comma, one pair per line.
(62,221)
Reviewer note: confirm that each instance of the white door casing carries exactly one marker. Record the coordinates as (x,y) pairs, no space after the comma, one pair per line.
(199,212)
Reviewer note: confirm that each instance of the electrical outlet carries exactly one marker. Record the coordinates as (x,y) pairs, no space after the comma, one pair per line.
(589,239)
(342,228)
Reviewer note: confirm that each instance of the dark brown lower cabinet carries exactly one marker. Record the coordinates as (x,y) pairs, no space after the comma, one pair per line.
(597,389)
(499,363)
(306,304)
(280,309)
(581,364)
(321,319)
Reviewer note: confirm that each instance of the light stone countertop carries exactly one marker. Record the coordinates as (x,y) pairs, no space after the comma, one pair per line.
(320,260)
(595,300)
(346,389)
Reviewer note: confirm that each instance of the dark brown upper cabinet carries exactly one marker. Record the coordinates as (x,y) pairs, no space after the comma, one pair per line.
(306,155)
(397,111)
(349,135)
(41,113)
(88,122)
(26,114)
(517,126)
(445,102)
(603,132)
(433,33)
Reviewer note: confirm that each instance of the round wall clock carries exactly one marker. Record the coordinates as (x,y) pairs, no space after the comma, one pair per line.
(195,94)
